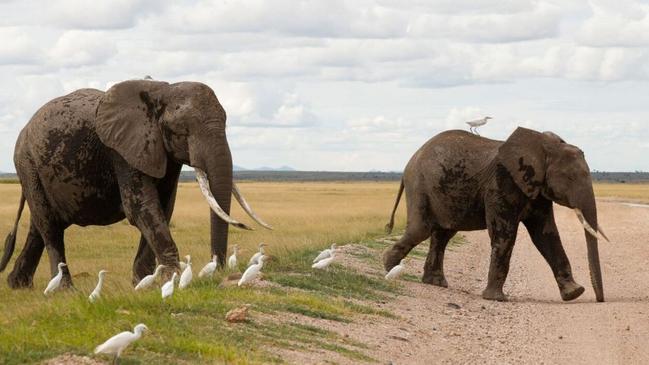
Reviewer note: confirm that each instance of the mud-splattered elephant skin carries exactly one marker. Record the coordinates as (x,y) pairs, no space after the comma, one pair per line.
(458,181)
(95,158)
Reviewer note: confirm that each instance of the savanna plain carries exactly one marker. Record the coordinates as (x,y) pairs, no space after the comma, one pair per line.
(348,313)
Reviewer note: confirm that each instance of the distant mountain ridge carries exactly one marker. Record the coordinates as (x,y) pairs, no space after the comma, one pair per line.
(263,168)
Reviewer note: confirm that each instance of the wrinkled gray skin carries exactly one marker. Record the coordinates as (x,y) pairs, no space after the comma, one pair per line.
(94,158)
(461,182)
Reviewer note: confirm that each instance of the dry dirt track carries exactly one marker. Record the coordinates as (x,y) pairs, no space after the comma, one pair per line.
(535,326)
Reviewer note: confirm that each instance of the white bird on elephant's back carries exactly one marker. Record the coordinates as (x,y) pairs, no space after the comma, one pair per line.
(396,271)
(187,275)
(148,280)
(232,260)
(325,253)
(116,344)
(167,289)
(209,268)
(255,258)
(252,271)
(56,280)
(323,264)
(474,124)
(97,292)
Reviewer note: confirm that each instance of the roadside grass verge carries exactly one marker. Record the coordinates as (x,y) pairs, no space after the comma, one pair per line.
(190,327)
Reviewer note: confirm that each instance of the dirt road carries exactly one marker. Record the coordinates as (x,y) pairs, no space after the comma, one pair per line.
(456,325)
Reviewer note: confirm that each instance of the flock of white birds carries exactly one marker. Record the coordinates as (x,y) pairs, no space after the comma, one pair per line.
(116,344)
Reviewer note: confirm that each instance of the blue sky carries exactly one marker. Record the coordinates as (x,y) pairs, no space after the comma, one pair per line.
(350,85)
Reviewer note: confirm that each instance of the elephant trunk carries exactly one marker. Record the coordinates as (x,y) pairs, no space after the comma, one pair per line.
(216,186)
(587,213)
(220,178)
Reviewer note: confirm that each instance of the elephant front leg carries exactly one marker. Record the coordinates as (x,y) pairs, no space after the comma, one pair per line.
(145,259)
(434,266)
(545,236)
(503,236)
(143,209)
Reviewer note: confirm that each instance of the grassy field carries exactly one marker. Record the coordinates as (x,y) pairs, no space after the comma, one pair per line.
(190,328)
(631,192)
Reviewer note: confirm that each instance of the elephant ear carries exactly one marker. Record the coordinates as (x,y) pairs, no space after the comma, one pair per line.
(523,156)
(127,121)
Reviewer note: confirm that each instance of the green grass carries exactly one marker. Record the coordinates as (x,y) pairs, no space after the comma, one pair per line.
(191,327)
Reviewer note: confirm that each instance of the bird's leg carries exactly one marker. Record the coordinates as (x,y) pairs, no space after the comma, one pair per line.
(476,131)
(115,359)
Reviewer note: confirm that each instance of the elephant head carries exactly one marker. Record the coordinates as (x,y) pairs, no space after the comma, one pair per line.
(148,122)
(543,164)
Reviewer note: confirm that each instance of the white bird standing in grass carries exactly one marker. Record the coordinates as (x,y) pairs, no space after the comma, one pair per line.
(168,288)
(325,253)
(187,275)
(322,264)
(252,271)
(148,280)
(56,280)
(396,271)
(208,269)
(232,260)
(116,344)
(255,258)
(97,292)
(474,124)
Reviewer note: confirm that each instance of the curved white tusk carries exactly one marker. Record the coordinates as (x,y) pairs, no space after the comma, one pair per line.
(244,204)
(587,226)
(204,184)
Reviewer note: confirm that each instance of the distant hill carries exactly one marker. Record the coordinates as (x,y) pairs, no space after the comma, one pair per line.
(281,168)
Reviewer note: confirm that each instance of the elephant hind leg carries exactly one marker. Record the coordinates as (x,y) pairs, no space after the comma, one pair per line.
(434,266)
(414,235)
(22,274)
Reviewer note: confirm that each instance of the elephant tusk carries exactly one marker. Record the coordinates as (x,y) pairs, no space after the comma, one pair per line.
(204,184)
(587,226)
(244,204)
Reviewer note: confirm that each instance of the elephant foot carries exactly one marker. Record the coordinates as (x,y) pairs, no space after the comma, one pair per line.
(392,258)
(571,291)
(437,280)
(494,294)
(17,281)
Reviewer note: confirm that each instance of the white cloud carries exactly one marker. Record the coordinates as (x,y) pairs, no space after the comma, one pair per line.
(114,14)
(350,84)
(82,48)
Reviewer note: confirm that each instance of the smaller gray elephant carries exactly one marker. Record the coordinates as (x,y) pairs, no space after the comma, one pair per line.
(458,181)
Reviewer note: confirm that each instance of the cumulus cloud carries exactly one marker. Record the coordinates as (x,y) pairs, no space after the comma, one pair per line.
(350,84)
(81,48)
(114,14)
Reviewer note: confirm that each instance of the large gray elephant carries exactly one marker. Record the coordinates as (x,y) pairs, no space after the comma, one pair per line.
(458,181)
(94,158)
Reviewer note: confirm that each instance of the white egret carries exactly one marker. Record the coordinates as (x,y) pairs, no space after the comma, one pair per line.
(148,280)
(396,271)
(97,292)
(187,275)
(252,271)
(232,260)
(168,288)
(322,264)
(474,124)
(255,258)
(325,253)
(56,280)
(208,269)
(116,344)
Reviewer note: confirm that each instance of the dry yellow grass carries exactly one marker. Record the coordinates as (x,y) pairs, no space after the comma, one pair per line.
(631,192)
(303,214)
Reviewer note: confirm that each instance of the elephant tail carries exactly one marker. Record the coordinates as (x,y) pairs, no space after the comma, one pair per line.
(389,226)
(10,242)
